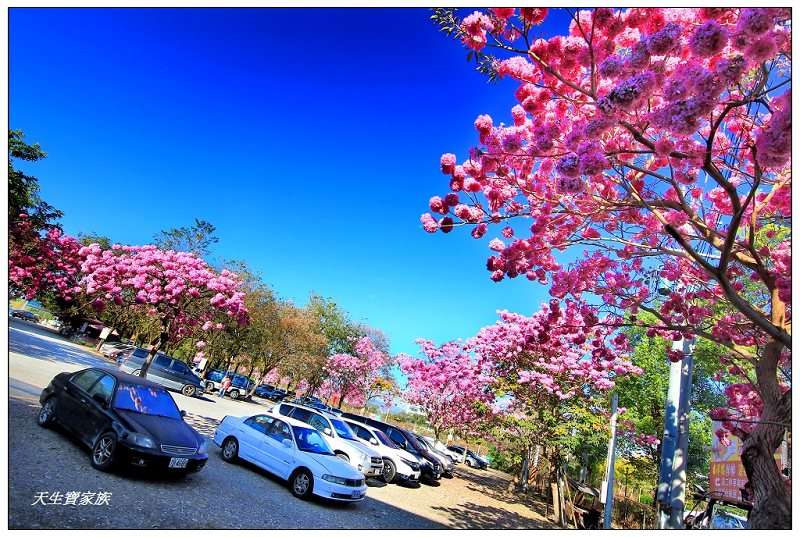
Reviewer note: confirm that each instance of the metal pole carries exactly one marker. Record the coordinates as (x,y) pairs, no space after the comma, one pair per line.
(672,472)
(612,452)
(681,456)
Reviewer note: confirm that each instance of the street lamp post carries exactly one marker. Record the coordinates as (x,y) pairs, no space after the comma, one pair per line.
(672,473)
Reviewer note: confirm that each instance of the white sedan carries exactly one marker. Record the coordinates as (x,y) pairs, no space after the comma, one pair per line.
(291,450)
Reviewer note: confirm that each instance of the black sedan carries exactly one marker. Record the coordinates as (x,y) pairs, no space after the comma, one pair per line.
(124,419)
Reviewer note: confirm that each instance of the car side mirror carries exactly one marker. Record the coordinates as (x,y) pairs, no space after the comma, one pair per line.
(373,441)
(183,413)
(327,431)
(287,443)
(99,399)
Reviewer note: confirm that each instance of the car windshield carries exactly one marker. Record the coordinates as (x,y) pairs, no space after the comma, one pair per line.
(310,440)
(385,440)
(342,429)
(149,400)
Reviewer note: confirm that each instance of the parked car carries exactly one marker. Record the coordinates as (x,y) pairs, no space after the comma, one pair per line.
(444,460)
(115,349)
(430,467)
(723,520)
(240,385)
(266,391)
(441,448)
(398,464)
(458,453)
(338,435)
(164,370)
(473,460)
(124,419)
(25,315)
(291,450)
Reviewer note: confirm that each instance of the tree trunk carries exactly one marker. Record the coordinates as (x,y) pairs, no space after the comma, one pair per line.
(772,500)
(157,344)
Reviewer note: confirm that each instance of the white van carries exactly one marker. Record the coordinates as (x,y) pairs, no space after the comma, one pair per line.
(338,435)
(398,464)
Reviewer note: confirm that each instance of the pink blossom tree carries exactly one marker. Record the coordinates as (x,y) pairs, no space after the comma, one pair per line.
(177,289)
(551,366)
(449,385)
(349,377)
(42,261)
(659,141)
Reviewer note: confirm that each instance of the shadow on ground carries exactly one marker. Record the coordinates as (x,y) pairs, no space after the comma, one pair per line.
(471,515)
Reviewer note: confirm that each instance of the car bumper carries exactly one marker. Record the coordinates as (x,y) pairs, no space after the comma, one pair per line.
(412,477)
(342,493)
(147,459)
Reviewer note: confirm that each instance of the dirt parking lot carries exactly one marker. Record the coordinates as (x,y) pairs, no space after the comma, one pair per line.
(221,495)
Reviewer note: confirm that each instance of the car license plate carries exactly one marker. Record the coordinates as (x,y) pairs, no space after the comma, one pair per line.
(356,494)
(178,462)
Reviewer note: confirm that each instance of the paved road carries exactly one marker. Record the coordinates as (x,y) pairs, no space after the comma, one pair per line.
(221,495)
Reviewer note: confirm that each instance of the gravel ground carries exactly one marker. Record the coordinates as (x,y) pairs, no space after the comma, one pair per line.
(221,495)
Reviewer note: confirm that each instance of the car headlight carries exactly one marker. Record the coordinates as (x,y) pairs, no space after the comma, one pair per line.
(334,479)
(411,464)
(203,447)
(141,440)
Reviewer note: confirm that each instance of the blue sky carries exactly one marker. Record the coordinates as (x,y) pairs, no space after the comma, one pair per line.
(309,138)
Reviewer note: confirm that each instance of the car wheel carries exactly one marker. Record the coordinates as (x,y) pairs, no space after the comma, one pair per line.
(230,449)
(47,413)
(389,470)
(188,390)
(209,386)
(468,463)
(103,451)
(302,483)
(234,394)
(343,456)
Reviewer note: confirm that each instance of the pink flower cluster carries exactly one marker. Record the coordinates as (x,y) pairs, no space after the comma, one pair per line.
(447,384)
(40,262)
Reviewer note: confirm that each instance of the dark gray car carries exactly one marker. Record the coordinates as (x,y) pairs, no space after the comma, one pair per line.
(165,370)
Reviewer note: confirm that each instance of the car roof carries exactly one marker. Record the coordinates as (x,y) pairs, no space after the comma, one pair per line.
(293,422)
(126,377)
(325,413)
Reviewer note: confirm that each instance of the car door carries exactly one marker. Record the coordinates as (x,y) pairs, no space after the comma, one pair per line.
(70,408)
(281,454)
(252,441)
(181,374)
(98,418)
(160,371)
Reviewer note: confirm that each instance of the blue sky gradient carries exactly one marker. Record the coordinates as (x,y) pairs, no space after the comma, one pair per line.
(309,138)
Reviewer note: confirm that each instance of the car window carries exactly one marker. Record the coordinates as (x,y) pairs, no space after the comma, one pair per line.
(385,440)
(103,387)
(162,361)
(260,423)
(279,431)
(285,410)
(397,437)
(318,422)
(361,432)
(180,367)
(85,379)
(342,429)
(140,353)
(301,414)
(149,400)
(310,440)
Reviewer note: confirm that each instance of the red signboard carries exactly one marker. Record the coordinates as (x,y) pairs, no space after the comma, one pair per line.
(726,473)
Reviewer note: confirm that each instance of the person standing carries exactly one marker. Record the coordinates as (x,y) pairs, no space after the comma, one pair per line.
(226,383)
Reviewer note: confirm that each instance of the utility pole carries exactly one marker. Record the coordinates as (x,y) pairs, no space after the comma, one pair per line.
(671,491)
(608,485)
